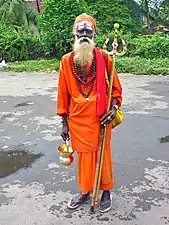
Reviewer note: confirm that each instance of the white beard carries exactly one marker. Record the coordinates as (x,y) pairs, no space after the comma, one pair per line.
(83,51)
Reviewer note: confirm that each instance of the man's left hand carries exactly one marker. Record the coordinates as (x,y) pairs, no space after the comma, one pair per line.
(108,117)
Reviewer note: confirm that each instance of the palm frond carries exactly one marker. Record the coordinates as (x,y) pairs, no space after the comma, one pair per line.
(30,12)
(17,12)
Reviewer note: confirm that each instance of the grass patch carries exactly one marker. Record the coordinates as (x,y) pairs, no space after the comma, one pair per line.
(134,65)
(139,65)
(41,65)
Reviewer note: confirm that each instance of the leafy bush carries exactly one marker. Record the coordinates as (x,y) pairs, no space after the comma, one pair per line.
(108,12)
(101,39)
(144,46)
(149,46)
(18,45)
(55,24)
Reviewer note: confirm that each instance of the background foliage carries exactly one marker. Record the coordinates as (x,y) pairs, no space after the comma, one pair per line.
(145,46)
(135,65)
(18,45)
(56,22)
(149,46)
(18,13)
(53,34)
(108,12)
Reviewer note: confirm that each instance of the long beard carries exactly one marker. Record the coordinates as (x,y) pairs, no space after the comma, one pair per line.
(83,49)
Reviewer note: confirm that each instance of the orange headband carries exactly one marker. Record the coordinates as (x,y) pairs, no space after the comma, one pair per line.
(84,17)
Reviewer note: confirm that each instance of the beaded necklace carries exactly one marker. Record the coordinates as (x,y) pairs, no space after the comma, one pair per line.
(81,76)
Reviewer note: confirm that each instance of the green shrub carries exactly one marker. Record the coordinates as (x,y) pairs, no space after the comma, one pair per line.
(18,44)
(149,46)
(101,39)
(56,22)
(144,46)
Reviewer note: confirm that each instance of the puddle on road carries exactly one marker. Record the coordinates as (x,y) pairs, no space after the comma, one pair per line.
(164,139)
(11,161)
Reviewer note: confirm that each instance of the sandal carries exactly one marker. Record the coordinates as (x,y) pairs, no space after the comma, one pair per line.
(105,205)
(77,201)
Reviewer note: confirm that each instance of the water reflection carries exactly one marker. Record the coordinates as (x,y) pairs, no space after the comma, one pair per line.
(11,161)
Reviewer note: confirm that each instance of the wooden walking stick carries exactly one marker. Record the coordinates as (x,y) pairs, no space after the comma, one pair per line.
(103,129)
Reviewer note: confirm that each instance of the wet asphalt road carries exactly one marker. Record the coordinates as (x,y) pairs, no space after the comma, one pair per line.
(38,194)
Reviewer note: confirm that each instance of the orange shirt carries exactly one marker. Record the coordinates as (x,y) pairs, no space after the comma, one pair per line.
(83,123)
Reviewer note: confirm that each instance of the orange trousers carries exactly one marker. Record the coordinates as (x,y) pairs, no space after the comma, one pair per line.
(86,171)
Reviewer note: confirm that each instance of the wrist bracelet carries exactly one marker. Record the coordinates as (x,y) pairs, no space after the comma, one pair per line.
(64,119)
(115,106)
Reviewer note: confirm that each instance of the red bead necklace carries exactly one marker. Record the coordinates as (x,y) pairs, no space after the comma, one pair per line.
(81,77)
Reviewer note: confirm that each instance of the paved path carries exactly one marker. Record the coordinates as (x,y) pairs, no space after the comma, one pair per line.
(38,195)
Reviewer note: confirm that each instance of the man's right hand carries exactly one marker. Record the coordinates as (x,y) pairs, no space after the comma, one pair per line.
(65,131)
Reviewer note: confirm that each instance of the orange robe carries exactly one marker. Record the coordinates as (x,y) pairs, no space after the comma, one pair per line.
(84,125)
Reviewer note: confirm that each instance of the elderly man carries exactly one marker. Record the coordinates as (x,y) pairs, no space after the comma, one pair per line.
(82,99)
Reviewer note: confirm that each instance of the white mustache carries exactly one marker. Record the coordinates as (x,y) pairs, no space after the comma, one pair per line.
(84,39)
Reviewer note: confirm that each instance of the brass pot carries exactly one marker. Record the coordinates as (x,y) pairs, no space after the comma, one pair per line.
(66,152)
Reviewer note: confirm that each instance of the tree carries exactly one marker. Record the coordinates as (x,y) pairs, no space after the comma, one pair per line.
(108,12)
(17,13)
(136,15)
(37,5)
(164,12)
(55,23)
(156,9)
(145,5)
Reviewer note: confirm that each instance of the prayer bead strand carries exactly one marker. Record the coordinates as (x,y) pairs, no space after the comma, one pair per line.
(81,77)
